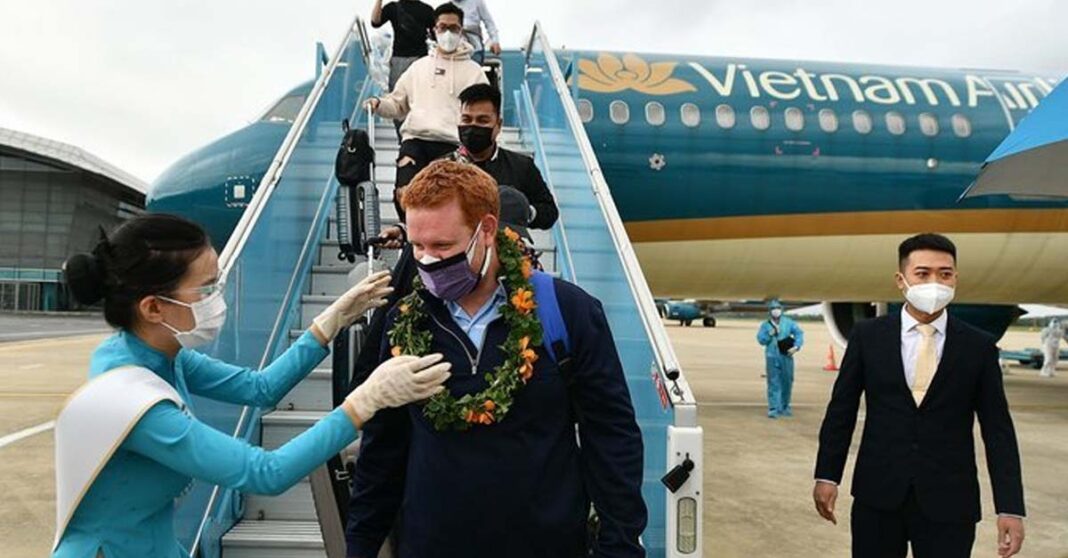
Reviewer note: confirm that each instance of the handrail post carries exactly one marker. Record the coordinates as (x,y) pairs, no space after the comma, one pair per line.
(234,247)
(667,362)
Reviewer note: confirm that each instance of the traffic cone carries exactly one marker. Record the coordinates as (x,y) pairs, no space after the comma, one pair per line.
(830,366)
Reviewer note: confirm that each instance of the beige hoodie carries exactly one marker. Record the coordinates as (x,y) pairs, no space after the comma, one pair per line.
(427,95)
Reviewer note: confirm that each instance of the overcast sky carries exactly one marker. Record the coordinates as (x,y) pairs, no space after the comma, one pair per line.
(141,83)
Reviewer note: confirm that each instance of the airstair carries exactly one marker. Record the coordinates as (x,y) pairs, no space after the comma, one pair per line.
(281,269)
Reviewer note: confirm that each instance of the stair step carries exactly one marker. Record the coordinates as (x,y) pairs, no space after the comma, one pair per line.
(281,426)
(313,393)
(295,504)
(274,539)
(330,280)
(311,306)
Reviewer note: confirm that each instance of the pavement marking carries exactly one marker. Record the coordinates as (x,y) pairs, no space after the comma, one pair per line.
(33,430)
(744,404)
(4,394)
(17,346)
(47,334)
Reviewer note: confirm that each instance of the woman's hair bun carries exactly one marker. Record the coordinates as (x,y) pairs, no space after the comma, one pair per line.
(85,278)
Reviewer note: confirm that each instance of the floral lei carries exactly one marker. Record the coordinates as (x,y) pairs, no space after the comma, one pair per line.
(410,336)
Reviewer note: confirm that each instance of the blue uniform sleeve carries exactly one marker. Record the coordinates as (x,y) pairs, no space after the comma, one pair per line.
(381,469)
(612,452)
(222,381)
(799,336)
(179,441)
(764,336)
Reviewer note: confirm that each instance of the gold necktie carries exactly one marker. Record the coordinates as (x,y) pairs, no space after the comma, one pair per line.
(926,362)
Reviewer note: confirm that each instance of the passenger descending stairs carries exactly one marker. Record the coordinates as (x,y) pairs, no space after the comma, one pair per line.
(286,525)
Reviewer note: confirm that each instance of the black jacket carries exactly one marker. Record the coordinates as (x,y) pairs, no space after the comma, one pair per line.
(930,448)
(513,169)
(522,487)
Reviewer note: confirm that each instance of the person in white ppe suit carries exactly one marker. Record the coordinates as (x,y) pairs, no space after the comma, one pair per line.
(1051,348)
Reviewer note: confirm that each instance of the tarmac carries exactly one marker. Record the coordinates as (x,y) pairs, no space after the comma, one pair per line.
(757,471)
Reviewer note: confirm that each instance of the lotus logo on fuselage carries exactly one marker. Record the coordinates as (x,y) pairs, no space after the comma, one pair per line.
(609,74)
(856,83)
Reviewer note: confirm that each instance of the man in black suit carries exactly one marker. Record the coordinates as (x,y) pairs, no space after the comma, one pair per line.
(925,375)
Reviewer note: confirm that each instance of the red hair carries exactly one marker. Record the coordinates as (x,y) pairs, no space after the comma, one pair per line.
(442,181)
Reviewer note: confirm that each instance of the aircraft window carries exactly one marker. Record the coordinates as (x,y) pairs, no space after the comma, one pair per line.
(585,110)
(895,123)
(725,116)
(619,112)
(285,110)
(962,127)
(691,115)
(760,118)
(862,121)
(795,119)
(929,124)
(654,113)
(828,121)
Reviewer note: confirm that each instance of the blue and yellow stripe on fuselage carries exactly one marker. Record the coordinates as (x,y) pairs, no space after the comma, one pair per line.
(806,213)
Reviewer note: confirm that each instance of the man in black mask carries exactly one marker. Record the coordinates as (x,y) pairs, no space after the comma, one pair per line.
(480,124)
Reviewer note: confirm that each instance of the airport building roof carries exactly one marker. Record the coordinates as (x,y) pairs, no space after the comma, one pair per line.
(69,155)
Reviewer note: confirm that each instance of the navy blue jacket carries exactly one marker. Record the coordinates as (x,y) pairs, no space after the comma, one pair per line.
(520,488)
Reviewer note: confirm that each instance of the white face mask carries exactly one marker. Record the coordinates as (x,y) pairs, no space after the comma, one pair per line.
(209,315)
(929,298)
(776,313)
(448,41)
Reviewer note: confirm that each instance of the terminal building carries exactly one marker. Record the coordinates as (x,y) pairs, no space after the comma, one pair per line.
(54,198)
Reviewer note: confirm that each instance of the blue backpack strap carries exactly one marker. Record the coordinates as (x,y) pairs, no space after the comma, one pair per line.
(554,332)
(554,335)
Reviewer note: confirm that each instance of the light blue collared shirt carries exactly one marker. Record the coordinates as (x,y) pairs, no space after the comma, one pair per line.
(475,326)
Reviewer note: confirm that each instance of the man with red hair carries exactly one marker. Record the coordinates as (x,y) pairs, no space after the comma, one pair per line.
(516,482)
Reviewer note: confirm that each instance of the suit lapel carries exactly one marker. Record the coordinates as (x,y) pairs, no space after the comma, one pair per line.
(949,356)
(898,367)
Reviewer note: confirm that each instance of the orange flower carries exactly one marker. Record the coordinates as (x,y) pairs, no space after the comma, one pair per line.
(486,418)
(404,308)
(395,351)
(529,356)
(523,301)
(470,417)
(512,235)
(528,269)
(489,405)
(526,371)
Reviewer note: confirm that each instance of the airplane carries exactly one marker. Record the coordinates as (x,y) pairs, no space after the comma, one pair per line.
(748,179)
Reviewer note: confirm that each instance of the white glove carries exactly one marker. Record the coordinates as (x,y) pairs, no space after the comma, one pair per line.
(399,381)
(792,351)
(367,294)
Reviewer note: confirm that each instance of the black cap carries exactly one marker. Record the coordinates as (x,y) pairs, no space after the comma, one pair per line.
(515,211)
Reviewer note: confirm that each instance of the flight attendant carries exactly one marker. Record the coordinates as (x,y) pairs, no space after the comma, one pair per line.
(127,444)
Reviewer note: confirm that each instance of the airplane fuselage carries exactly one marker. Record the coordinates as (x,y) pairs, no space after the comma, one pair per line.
(750,179)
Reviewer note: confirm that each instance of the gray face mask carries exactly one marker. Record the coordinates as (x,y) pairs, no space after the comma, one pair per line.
(209,315)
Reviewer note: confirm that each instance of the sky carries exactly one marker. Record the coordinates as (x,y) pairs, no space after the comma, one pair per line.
(141,83)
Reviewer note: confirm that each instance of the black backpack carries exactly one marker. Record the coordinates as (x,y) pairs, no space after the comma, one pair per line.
(357,197)
(355,156)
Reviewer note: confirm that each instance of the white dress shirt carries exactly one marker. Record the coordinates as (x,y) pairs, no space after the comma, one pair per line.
(911,339)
